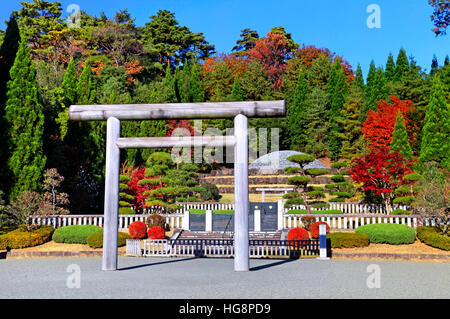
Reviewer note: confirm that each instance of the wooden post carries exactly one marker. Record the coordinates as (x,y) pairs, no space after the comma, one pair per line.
(241,204)
(111,209)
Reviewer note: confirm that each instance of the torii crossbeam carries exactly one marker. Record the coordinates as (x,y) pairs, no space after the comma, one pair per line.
(240,111)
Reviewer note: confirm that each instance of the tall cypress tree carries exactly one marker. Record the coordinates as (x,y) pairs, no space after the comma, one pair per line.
(197,94)
(401,65)
(338,91)
(376,92)
(69,83)
(296,113)
(399,140)
(359,79)
(8,51)
(25,119)
(390,68)
(236,92)
(434,65)
(436,129)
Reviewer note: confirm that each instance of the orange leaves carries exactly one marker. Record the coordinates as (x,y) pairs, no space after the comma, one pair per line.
(133,68)
(379,125)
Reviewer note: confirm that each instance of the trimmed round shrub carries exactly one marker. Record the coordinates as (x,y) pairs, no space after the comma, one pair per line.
(75,234)
(96,240)
(393,234)
(156,232)
(431,236)
(298,234)
(20,238)
(307,221)
(156,220)
(405,200)
(348,240)
(399,211)
(314,229)
(137,230)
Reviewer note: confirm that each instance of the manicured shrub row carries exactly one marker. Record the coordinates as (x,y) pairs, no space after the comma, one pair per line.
(394,234)
(429,235)
(217,211)
(96,240)
(75,234)
(316,212)
(399,211)
(20,238)
(348,240)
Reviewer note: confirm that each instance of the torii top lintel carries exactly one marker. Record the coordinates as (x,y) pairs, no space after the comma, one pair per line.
(251,109)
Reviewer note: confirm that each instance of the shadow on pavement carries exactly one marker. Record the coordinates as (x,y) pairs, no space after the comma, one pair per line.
(272,264)
(157,263)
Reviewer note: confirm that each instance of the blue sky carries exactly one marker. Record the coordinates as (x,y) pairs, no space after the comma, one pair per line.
(339,25)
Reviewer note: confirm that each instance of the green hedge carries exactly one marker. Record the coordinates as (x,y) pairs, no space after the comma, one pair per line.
(316,212)
(399,211)
(75,234)
(348,240)
(430,236)
(20,238)
(394,234)
(96,240)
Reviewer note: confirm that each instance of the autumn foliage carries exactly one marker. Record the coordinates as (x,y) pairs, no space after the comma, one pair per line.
(138,230)
(379,125)
(298,234)
(380,173)
(314,229)
(156,232)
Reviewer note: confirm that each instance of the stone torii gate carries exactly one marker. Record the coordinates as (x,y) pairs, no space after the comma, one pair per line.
(240,111)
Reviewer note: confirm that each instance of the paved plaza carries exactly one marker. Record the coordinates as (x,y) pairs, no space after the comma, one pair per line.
(211,278)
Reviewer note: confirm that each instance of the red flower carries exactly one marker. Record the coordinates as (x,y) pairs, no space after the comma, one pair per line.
(298,234)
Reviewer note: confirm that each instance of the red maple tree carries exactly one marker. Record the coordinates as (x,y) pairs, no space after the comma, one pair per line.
(380,172)
(379,125)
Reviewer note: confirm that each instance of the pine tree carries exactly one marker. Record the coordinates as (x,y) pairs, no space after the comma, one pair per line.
(25,119)
(296,113)
(376,92)
(399,140)
(370,77)
(401,65)
(337,90)
(447,60)
(436,129)
(317,123)
(390,68)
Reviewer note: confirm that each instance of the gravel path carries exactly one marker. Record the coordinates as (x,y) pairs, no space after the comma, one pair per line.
(211,278)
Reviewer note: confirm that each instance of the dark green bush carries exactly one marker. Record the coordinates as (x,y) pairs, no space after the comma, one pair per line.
(317,171)
(291,170)
(336,200)
(210,192)
(432,236)
(96,240)
(75,234)
(126,211)
(393,234)
(348,240)
(405,200)
(337,178)
(20,238)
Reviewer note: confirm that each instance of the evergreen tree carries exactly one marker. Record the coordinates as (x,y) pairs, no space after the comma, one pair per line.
(351,126)
(317,125)
(375,92)
(370,77)
(434,65)
(399,140)
(337,90)
(197,94)
(401,65)
(86,87)
(70,82)
(236,93)
(8,51)
(296,113)
(390,68)
(359,79)
(25,118)
(447,60)
(436,129)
